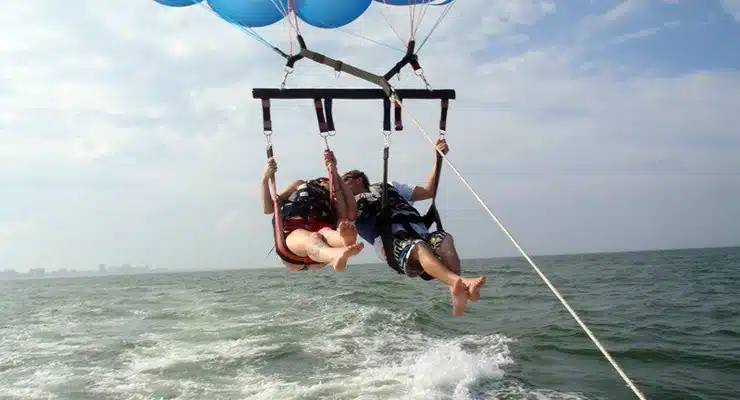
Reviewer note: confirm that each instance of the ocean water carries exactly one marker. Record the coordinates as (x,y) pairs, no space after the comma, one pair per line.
(671,319)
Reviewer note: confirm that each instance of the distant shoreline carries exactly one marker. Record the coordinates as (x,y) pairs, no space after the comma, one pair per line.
(158,271)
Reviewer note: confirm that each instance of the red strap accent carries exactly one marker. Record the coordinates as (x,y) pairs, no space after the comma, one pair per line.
(320,115)
(397,114)
(331,188)
(292,224)
(266,120)
(414,63)
(443,115)
(280,244)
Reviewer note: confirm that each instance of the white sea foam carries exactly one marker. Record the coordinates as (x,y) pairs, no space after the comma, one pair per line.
(328,348)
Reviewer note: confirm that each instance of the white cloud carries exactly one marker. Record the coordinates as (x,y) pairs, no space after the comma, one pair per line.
(732,7)
(643,33)
(130,135)
(614,14)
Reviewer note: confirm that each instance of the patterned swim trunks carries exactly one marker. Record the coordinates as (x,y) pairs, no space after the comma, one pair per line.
(403,245)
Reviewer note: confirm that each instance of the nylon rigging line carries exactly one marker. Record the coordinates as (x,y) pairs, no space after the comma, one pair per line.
(539,272)
(249,31)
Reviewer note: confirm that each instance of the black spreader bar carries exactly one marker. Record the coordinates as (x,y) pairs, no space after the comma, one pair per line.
(352,94)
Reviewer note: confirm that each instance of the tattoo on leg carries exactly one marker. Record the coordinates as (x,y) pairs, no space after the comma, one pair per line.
(315,248)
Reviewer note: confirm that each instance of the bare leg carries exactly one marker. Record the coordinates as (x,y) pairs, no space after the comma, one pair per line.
(422,254)
(473,285)
(448,254)
(338,256)
(304,243)
(345,235)
(460,297)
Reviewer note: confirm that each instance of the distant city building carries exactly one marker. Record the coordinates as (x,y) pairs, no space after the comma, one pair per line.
(103,269)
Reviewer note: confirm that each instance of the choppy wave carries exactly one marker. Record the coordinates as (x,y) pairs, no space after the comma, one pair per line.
(367,334)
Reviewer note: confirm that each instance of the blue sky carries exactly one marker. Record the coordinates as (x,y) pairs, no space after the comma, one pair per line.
(130,135)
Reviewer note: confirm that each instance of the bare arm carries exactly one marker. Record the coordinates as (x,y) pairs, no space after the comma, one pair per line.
(341,197)
(348,197)
(267,204)
(348,207)
(340,202)
(269,173)
(427,191)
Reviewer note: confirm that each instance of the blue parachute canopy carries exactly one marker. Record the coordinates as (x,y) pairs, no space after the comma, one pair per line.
(178,3)
(318,13)
(330,13)
(250,13)
(412,2)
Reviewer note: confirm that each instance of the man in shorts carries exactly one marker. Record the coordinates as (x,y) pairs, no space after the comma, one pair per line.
(416,251)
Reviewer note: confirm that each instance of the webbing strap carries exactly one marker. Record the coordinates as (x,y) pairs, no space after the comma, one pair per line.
(324,114)
(320,115)
(281,247)
(409,58)
(325,119)
(445,103)
(329,115)
(432,215)
(386,115)
(266,119)
(340,66)
(384,223)
(397,114)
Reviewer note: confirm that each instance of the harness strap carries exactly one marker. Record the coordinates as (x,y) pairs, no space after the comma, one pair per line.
(397,114)
(329,115)
(330,128)
(445,103)
(281,247)
(323,128)
(432,215)
(409,58)
(325,120)
(386,115)
(266,121)
(384,221)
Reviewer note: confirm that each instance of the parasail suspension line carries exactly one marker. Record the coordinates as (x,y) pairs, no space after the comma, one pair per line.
(437,23)
(585,328)
(246,30)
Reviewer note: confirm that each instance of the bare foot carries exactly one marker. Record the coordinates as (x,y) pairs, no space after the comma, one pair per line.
(348,232)
(473,286)
(459,297)
(340,261)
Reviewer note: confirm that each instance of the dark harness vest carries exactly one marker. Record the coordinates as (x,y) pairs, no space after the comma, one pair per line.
(309,206)
(309,200)
(397,211)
